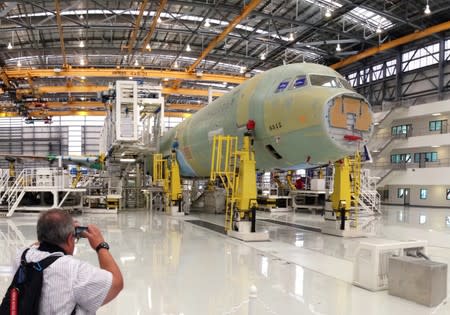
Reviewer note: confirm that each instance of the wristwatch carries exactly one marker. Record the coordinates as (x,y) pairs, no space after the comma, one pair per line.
(102,245)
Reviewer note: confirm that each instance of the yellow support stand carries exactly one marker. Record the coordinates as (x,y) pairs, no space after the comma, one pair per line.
(236,170)
(77,177)
(345,198)
(166,174)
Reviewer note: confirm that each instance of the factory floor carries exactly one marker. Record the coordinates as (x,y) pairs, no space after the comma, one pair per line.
(174,267)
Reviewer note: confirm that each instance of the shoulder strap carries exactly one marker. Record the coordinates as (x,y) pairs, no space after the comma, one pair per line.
(44,263)
(23,260)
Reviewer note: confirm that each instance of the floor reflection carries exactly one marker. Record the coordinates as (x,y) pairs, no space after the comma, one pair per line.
(174,267)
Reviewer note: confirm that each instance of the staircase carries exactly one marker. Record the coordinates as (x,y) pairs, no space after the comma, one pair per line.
(223,167)
(369,198)
(14,194)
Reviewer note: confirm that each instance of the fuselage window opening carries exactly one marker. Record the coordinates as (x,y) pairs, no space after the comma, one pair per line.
(346,84)
(283,85)
(324,80)
(299,82)
(274,152)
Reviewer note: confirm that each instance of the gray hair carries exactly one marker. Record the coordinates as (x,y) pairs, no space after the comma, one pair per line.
(54,226)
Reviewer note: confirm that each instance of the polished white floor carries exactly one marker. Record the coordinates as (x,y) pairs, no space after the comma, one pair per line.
(172,267)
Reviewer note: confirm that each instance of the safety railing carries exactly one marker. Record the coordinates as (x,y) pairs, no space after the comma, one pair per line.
(369,199)
(412,131)
(404,164)
(7,195)
(4,179)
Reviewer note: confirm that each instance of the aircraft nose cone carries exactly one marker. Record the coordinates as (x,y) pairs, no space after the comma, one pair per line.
(349,120)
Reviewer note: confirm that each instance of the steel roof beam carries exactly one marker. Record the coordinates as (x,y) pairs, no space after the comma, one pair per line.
(244,13)
(137,26)
(61,31)
(392,44)
(149,35)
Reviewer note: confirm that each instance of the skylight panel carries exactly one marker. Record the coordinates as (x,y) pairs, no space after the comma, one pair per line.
(373,19)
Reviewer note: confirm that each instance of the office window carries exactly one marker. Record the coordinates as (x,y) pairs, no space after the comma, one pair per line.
(400,158)
(448,194)
(435,125)
(423,193)
(447,221)
(401,191)
(431,156)
(400,130)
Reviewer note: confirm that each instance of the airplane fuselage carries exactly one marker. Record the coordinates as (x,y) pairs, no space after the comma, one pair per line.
(305,114)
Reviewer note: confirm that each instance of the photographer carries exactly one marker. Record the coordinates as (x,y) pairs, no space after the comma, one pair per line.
(71,286)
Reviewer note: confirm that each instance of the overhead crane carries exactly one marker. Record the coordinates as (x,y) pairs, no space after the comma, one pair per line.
(101,88)
(21,73)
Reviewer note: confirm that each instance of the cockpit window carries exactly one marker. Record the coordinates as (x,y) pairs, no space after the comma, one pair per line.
(324,80)
(283,85)
(299,82)
(345,84)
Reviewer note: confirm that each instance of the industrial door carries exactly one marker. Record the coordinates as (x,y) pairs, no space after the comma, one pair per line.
(406,197)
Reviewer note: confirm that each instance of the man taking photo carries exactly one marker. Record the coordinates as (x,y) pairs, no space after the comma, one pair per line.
(72,286)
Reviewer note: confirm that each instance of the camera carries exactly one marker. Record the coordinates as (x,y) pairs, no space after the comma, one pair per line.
(79,230)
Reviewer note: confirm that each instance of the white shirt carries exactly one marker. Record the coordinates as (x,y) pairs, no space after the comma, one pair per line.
(68,282)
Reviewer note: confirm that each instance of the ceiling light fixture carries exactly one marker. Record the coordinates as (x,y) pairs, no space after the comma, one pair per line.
(130,78)
(291,37)
(83,78)
(263,56)
(427,9)
(207,24)
(188,48)
(148,47)
(338,46)
(379,30)
(243,69)
(81,44)
(81,61)
(9,45)
(136,63)
(328,13)
(19,64)
(175,64)
(159,20)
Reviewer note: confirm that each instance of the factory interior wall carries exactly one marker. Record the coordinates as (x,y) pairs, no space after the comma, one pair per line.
(436,195)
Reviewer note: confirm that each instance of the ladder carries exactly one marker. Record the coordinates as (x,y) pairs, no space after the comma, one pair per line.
(355,175)
(223,167)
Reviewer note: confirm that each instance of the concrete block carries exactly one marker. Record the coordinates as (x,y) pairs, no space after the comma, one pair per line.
(418,280)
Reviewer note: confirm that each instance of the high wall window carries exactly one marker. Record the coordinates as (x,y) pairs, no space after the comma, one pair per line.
(399,130)
(447,49)
(373,73)
(400,192)
(448,194)
(423,193)
(421,57)
(435,125)
(400,158)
